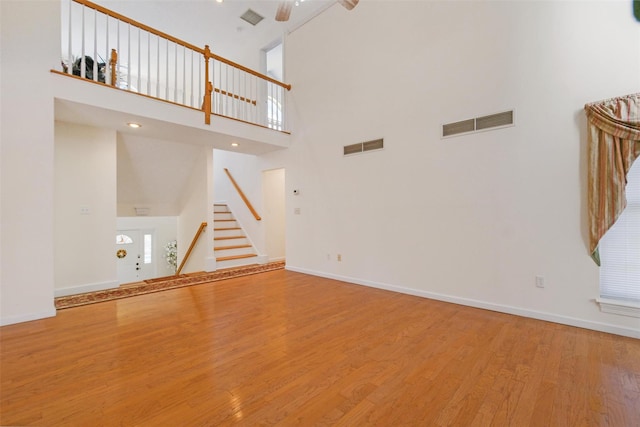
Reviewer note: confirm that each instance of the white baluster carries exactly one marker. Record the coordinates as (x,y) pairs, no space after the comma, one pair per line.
(128,56)
(95,45)
(184,75)
(119,52)
(175,74)
(148,63)
(166,82)
(191,103)
(158,69)
(82,60)
(107,68)
(70,54)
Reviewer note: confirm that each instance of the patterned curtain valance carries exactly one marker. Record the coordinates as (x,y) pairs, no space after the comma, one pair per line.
(614,144)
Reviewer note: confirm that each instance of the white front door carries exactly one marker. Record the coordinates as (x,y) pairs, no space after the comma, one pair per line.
(129,251)
(134,249)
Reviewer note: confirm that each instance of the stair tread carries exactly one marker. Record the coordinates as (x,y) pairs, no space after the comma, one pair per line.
(229,228)
(223,220)
(228,258)
(229,237)
(222,248)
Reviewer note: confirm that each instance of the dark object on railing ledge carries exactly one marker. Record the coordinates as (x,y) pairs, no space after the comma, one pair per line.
(88,65)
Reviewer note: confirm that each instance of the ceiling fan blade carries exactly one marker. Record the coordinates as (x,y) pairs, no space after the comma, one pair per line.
(349,4)
(284,10)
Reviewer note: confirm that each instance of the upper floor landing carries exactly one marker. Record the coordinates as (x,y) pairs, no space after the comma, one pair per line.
(115,71)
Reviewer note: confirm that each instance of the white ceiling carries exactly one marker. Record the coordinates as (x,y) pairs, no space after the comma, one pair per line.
(219,25)
(153,171)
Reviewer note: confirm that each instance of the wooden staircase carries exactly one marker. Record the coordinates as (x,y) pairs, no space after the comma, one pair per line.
(231,246)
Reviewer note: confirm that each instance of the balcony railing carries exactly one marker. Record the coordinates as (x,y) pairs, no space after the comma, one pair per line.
(106,47)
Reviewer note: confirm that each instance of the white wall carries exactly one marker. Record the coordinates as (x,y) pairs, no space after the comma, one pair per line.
(26,153)
(196,209)
(153,174)
(84,208)
(471,219)
(274,217)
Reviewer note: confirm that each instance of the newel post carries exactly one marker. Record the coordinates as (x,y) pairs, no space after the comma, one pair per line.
(113,61)
(208,87)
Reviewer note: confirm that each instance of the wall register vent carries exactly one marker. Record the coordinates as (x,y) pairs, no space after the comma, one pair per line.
(492,121)
(361,147)
(252,17)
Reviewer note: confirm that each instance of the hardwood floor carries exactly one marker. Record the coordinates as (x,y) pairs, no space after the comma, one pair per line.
(283,348)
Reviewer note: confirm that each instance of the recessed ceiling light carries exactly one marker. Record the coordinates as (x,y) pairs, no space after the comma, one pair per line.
(134,125)
(234,144)
(219,1)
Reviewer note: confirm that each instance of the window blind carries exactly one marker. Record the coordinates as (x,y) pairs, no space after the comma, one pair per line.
(620,247)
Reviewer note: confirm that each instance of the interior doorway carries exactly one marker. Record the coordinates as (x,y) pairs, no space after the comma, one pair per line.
(273,193)
(134,250)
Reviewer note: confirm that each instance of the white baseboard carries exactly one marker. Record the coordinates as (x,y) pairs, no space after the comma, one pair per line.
(10,320)
(277,259)
(518,311)
(90,287)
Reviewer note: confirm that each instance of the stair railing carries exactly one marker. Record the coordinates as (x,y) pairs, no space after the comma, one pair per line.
(193,244)
(242,196)
(107,47)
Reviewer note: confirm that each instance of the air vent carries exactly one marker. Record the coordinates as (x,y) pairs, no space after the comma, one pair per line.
(360,147)
(252,17)
(494,120)
(458,127)
(353,149)
(491,121)
(377,144)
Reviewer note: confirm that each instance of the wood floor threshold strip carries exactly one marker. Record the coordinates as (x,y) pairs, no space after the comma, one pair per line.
(172,282)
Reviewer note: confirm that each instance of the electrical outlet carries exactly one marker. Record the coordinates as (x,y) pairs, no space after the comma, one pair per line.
(539,282)
(339,258)
(84,210)
(296,211)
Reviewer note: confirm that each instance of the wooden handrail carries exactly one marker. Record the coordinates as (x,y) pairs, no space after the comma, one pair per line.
(250,71)
(206,107)
(140,25)
(193,244)
(144,27)
(238,97)
(242,196)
